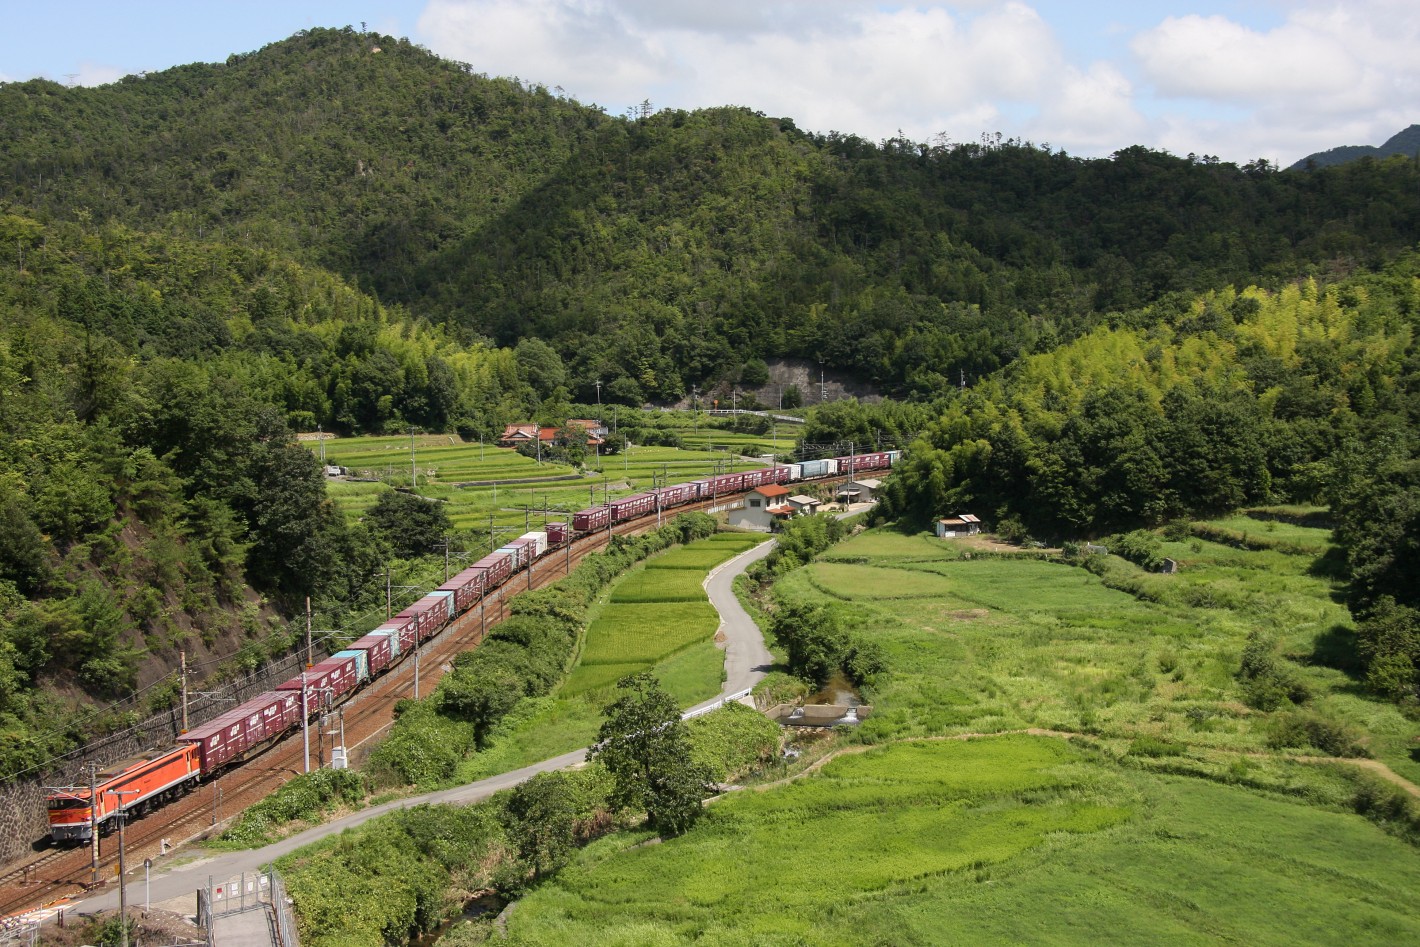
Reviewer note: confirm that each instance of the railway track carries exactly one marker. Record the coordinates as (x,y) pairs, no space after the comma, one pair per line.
(57,873)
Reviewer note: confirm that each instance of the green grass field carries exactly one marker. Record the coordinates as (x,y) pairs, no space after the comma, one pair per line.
(1012,840)
(654,612)
(1182,822)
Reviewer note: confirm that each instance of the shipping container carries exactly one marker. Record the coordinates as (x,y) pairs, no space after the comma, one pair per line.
(539,539)
(390,635)
(857,463)
(556,534)
(676,495)
(406,627)
(378,651)
(362,662)
(513,555)
(633,506)
(592,518)
(496,570)
(430,613)
(324,682)
(466,587)
(264,717)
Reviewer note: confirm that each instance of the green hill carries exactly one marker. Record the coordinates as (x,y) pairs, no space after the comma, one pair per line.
(1406,144)
(667,250)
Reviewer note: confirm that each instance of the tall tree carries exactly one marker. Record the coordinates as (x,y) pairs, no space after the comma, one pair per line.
(644,744)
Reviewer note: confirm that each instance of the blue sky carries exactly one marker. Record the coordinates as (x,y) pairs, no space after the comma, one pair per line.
(1240,80)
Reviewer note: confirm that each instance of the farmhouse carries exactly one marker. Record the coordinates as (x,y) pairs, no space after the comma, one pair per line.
(515,434)
(859,491)
(762,507)
(963,524)
(804,505)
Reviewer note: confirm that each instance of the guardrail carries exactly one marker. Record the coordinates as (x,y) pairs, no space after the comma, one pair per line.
(727,699)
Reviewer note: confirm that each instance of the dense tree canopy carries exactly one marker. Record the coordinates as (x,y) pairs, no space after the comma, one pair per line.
(657,252)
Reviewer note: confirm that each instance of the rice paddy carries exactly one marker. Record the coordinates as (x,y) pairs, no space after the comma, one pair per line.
(1172,818)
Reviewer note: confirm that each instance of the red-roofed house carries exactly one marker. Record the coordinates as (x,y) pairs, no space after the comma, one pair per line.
(762,507)
(515,434)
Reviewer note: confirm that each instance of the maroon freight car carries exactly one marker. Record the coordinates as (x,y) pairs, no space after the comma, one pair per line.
(324,682)
(595,517)
(467,588)
(676,495)
(496,570)
(431,613)
(857,463)
(405,627)
(378,652)
(638,504)
(556,534)
(227,737)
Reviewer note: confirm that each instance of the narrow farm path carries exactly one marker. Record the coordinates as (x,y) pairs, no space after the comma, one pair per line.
(746,660)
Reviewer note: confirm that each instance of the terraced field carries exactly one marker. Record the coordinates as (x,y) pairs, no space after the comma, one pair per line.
(496,487)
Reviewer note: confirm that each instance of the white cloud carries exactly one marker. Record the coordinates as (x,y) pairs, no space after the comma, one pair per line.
(1091,111)
(1328,75)
(1215,58)
(93,73)
(1325,74)
(849,65)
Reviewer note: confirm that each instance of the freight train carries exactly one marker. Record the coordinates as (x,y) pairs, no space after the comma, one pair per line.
(144,783)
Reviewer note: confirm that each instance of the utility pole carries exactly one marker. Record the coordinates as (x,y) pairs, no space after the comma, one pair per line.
(94,818)
(695,408)
(320,436)
(123,865)
(599,401)
(492,546)
(309,652)
(305,726)
(182,673)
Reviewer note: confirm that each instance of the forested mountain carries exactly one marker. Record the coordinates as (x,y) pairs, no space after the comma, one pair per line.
(343,230)
(152,495)
(1405,144)
(666,249)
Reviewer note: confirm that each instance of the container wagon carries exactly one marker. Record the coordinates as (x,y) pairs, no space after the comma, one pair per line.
(592,518)
(379,651)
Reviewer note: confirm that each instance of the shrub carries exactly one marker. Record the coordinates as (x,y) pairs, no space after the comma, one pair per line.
(1302,729)
(1386,804)
(1140,547)
(1267,683)
(1154,747)
(732,741)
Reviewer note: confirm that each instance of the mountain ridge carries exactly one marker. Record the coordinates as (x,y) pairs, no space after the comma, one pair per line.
(1405,143)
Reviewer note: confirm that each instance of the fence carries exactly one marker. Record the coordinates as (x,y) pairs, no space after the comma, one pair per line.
(221,903)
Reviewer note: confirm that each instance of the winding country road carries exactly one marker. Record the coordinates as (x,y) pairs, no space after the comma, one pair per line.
(746,662)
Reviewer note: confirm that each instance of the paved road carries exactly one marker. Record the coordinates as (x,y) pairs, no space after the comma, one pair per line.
(746,661)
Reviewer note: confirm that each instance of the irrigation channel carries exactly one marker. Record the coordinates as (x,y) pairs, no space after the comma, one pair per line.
(746,661)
